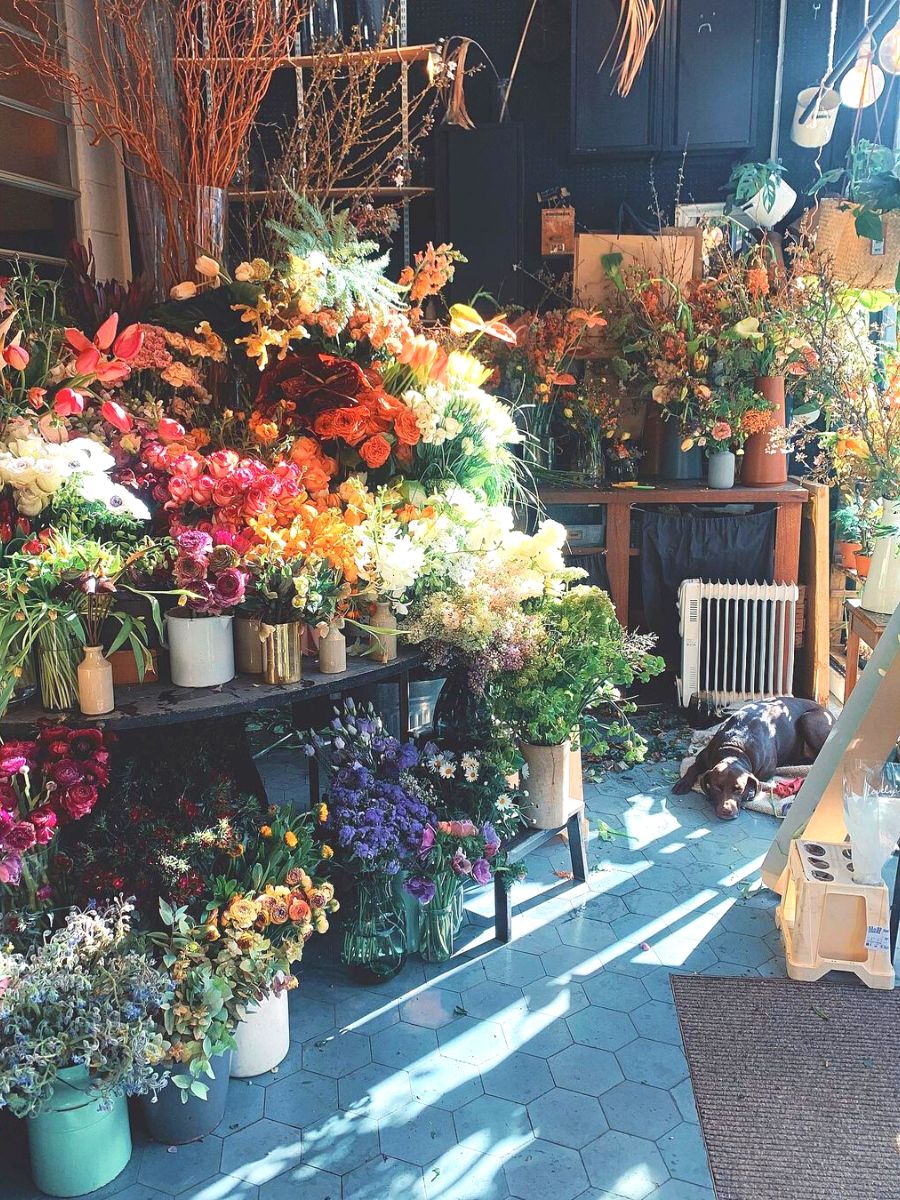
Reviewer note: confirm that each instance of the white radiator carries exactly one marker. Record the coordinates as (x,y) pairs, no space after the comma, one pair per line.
(737,641)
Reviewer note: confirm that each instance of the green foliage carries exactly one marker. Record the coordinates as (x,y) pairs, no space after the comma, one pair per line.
(748,179)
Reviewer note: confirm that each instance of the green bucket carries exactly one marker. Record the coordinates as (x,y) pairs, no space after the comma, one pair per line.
(76,1146)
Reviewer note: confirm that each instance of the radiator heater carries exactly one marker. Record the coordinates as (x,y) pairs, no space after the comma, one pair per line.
(737,641)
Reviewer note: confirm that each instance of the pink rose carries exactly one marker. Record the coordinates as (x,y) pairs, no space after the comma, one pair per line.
(180,489)
(222,463)
(202,491)
(225,492)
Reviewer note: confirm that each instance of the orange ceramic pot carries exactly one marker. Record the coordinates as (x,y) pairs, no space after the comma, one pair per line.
(863,562)
(760,468)
(845,554)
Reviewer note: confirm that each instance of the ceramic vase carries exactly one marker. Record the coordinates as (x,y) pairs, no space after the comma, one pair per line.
(721,470)
(95,683)
(675,463)
(861,564)
(845,554)
(78,1144)
(881,593)
(282,652)
(760,467)
(201,650)
(374,945)
(174,1121)
(263,1038)
(818,127)
(333,651)
(248,651)
(768,217)
(384,636)
(546,784)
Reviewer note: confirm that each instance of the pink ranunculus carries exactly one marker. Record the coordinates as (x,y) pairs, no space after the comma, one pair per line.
(13,764)
(44,820)
(7,820)
(78,801)
(194,541)
(188,569)
(115,415)
(21,837)
(8,797)
(229,587)
(66,773)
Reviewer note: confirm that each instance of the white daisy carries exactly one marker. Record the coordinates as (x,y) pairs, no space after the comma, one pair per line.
(448,770)
(504,802)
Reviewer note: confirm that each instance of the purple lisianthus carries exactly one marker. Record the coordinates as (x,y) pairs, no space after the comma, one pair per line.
(420,888)
(481,871)
(194,541)
(229,587)
(461,864)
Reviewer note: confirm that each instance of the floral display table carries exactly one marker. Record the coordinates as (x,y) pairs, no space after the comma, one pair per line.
(862,626)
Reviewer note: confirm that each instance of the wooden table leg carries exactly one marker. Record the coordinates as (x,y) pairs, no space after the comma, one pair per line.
(787,543)
(852,673)
(618,556)
(403,686)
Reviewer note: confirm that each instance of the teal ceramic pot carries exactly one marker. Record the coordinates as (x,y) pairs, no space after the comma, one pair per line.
(721,469)
(174,1122)
(675,463)
(77,1145)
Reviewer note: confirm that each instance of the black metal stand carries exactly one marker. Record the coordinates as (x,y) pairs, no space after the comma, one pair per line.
(526,843)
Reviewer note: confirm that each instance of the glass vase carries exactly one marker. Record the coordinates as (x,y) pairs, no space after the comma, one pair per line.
(440,921)
(462,716)
(57,663)
(374,948)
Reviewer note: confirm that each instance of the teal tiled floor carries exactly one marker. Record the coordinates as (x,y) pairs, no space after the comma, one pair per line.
(551,1067)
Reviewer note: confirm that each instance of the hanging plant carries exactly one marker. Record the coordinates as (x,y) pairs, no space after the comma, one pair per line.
(638,23)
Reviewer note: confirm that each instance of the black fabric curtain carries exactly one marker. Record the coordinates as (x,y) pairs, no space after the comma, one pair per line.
(694,544)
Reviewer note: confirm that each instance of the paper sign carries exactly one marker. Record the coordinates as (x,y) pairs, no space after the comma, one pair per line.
(878,937)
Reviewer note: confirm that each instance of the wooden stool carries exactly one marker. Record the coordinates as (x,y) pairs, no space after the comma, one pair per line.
(830,923)
(527,842)
(862,626)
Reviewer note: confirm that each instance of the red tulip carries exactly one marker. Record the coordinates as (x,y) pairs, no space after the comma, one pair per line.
(129,342)
(116,415)
(17,357)
(112,371)
(169,430)
(68,403)
(105,335)
(87,360)
(77,340)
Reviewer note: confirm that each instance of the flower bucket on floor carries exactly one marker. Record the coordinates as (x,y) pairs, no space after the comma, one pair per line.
(76,1145)
(264,1036)
(172,1121)
(546,784)
(201,650)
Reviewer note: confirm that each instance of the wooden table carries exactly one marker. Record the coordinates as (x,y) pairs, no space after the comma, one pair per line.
(788,499)
(862,626)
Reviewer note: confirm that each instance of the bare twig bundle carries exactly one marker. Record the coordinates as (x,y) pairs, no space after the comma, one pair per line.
(638,23)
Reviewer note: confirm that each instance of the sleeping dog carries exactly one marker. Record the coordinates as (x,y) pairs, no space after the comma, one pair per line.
(760,737)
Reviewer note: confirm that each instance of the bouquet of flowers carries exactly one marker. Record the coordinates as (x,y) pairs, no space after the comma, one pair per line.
(207,568)
(473,783)
(84,997)
(45,784)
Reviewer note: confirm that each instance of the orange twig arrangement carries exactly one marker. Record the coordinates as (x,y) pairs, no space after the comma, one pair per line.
(638,23)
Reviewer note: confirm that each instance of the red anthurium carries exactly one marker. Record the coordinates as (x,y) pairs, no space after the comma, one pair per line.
(169,430)
(129,342)
(116,415)
(106,334)
(68,403)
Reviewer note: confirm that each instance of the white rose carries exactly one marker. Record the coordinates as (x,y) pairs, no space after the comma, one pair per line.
(48,475)
(19,472)
(29,501)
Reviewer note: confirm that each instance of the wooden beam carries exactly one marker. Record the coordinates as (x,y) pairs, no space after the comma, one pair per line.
(812,666)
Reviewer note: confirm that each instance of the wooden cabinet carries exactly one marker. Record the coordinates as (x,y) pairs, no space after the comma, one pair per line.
(699,87)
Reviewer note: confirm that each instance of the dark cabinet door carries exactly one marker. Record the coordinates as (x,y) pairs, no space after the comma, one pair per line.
(602,121)
(712,74)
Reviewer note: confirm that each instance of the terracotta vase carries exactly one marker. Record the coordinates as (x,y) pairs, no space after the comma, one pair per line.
(760,468)
(845,554)
(95,683)
(862,563)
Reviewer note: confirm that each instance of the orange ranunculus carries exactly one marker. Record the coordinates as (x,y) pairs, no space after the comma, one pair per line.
(406,427)
(375,451)
(298,909)
(349,425)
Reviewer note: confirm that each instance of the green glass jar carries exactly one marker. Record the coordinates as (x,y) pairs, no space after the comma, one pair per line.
(374,947)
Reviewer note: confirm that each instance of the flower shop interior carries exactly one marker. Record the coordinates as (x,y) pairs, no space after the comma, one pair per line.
(450,599)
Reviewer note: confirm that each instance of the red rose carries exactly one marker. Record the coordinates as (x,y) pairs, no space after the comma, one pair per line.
(78,801)
(226,491)
(324,425)
(406,428)
(375,451)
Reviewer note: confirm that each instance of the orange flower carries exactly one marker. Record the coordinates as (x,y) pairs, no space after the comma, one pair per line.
(375,451)
(590,320)
(406,428)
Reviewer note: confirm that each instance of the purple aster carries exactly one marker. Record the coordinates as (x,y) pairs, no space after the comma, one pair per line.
(481,871)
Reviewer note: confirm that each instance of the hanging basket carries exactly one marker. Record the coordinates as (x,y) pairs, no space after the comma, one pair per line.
(833,225)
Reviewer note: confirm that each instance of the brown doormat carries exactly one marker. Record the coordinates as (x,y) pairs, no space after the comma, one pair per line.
(797,1086)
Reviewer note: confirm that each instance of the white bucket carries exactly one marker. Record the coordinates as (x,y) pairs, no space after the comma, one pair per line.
(881,591)
(768,218)
(263,1038)
(817,129)
(201,650)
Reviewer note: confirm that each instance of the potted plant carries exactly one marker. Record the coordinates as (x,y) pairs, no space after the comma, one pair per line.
(760,192)
(372,821)
(201,647)
(579,661)
(846,534)
(79,1014)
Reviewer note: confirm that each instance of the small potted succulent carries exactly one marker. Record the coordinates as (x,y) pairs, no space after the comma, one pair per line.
(79,1031)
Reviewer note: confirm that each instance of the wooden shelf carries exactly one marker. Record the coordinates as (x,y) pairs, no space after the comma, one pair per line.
(256,195)
(666,491)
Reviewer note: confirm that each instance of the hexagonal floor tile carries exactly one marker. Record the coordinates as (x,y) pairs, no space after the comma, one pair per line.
(445,1083)
(341,1143)
(625,1165)
(403,1045)
(551,996)
(544,1169)
(374,1090)
(620,992)
(601,1027)
(417,1133)
(338,1055)
(513,966)
(585,1069)
(605,907)
(684,1153)
(655,1063)
(173,1169)
(366,1012)
(739,948)
(304,1181)
(492,1001)
(538,941)
(567,1118)
(753,919)
(309,1018)
(383,1179)
(245,1104)
(519,1077)
(640,1109)
(463,1174)
(677,1189)
(493,1126)
(136,1191)
(431,1008)
(564,961)
(587,932)
(472,1041)
(261,1151)
(539,1033)
(219,1187)
(683,1095)
(657,1021)
(301,1099)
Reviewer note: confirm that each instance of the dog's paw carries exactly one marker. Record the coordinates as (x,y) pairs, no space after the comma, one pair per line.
(683,786)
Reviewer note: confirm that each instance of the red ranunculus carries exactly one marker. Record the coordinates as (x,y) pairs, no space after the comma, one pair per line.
(375,451)
(78,801)
(66,773)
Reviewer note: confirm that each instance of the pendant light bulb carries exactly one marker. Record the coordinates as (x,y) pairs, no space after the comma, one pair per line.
(889,51)
(864,82)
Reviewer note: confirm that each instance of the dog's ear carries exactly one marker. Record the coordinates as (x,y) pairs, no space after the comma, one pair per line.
(753,786)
